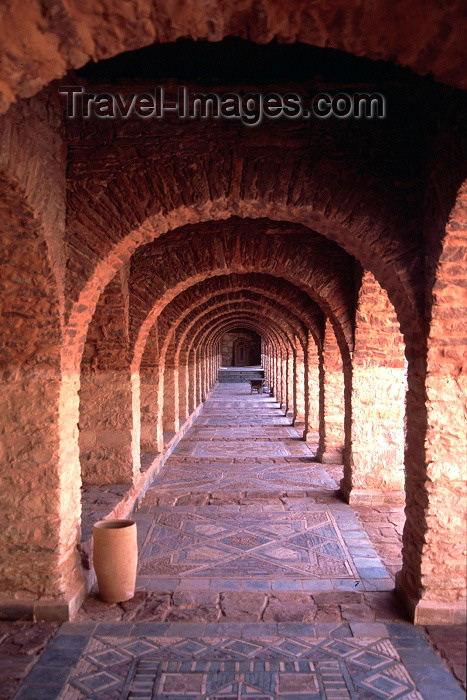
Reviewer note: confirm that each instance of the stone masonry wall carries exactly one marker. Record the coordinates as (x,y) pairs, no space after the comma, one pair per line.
(374,469)
(106,419)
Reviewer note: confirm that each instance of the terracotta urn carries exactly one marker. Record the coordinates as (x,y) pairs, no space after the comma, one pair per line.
(115,558)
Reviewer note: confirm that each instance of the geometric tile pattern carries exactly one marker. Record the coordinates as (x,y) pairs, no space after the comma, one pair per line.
(302,547)
(216,475)
(213,543)
(304,668)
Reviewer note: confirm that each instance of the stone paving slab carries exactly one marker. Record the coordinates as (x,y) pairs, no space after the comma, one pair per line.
(282,660)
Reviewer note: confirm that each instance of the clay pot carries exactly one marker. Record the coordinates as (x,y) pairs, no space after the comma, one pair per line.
(115,558)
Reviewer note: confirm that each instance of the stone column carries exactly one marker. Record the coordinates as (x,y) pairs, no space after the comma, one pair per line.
(283,380)
(210,366)
(183,387)
(332,441)
(270,366)
(270,371)
(290,366)
(312,392)
(151,410)
(299,417)
(106,417)
(150,400)
(374,465)
(204,373)
(199,376)
(40,570)
(170,409)
(277,376)
(191,381)
(432,580)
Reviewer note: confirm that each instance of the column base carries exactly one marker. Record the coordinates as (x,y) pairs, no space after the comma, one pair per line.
(311,437)
(330,457)
(43,609)
(431,612)
(371,497)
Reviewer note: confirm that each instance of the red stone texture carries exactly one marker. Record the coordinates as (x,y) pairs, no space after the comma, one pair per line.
(129,248)
(43,44)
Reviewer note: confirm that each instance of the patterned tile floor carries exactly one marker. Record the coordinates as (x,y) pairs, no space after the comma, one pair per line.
(289,661)
(235,548)
(261,542)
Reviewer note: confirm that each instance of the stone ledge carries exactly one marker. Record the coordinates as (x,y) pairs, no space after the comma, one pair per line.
(432,612)
(371,497)
(43,610)
(311,437)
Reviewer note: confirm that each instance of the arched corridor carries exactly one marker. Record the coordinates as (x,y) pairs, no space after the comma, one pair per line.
(152,265)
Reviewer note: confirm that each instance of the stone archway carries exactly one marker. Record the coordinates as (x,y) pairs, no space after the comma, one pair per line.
(341,204)
(48,44)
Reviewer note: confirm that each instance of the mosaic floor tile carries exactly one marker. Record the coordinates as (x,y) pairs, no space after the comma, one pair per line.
(236,545)
(208,669)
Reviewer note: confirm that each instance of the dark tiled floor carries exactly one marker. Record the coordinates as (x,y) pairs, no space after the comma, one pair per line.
(255,581)
(289,660)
